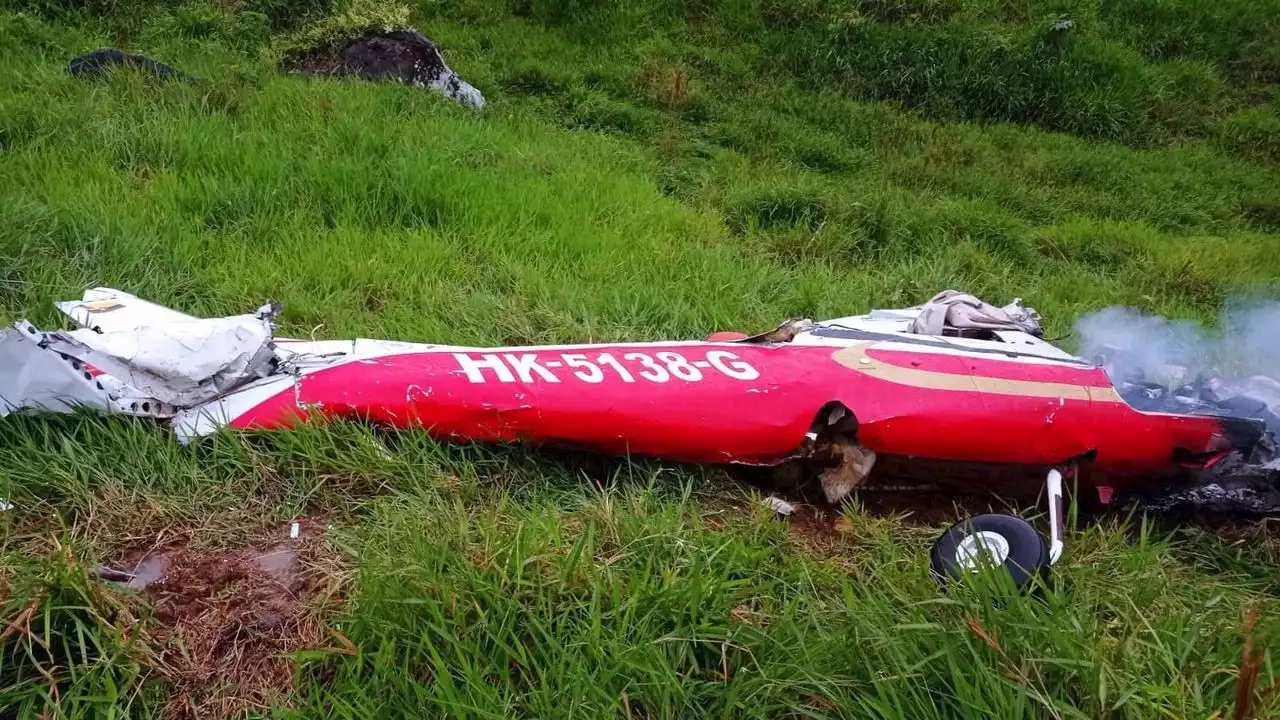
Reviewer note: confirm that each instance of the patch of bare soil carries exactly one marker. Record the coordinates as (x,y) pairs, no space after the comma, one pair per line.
(815,525)
(226,621)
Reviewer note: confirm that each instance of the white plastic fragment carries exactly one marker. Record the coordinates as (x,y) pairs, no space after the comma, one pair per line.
(110,310)
(32,377)
(294,530)
(132,356)
(5,505)
(180,363)
(780,506)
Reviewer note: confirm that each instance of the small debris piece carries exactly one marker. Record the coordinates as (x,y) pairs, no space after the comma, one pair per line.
(851,464)
(150,569)
(780,506)
(95,65)
(110,574)
(293,531)
(5,505)
(405,55)
(961,311)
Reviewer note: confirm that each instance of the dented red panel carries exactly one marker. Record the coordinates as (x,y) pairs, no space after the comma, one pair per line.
(1133,444)
(747,403)
(700,402)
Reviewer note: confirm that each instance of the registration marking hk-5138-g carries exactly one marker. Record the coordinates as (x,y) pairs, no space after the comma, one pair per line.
(592,368)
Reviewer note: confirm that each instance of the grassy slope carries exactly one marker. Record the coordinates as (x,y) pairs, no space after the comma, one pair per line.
(631,179)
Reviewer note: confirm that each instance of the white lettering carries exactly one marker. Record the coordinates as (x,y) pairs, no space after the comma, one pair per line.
(528,368)
(679,367)
(475,368)
(737,370)
(593,374)
(653,372)
(625,374)
(526,365)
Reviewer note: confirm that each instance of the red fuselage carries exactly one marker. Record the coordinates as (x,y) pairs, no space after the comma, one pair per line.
(752,403)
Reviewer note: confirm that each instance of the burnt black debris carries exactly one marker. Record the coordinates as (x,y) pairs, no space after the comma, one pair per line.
(1252,398)
(404,55)
(96,65)
(1233,488)
(1246,484)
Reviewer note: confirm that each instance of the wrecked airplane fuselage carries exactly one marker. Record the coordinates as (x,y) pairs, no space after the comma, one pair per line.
(955,391)
(955,394)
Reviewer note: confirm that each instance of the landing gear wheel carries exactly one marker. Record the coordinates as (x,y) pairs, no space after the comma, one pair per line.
(991,540)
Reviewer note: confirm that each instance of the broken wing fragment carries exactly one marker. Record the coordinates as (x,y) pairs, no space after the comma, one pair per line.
(181,363)
(110,310)
(32,377)
(175,360)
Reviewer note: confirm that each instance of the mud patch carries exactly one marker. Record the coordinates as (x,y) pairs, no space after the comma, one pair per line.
(815,525)
(226,621)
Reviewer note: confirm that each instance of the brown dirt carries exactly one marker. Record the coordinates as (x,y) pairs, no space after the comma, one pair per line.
(823,530)
(814,525)
(226,620)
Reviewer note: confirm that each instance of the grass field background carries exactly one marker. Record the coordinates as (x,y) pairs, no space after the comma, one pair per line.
(653,170)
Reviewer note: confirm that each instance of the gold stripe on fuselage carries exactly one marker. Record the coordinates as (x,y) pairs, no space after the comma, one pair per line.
(855,357)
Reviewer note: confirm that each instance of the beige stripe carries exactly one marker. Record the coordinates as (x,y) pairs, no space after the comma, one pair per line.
(855,357)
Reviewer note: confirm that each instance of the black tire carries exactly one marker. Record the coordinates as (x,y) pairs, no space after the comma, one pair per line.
(1026,552)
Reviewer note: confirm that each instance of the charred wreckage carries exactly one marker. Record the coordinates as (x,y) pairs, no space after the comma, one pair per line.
(952,395)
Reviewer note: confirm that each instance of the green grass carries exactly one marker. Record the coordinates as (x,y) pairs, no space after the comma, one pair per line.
(497,583)
(649,172)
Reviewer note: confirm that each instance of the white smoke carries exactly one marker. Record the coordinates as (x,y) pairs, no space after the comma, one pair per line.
(1252,331)
(1177,365)
(1134,345)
